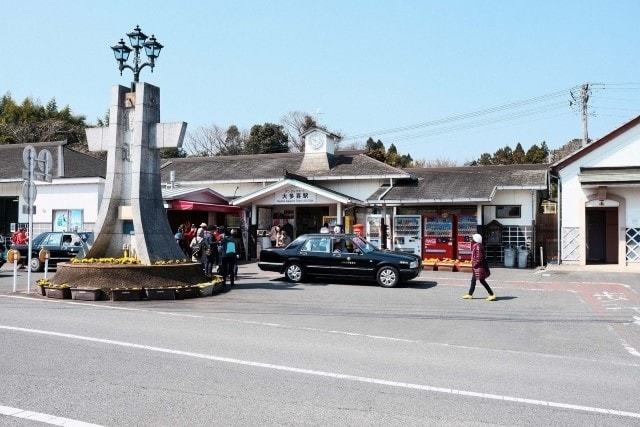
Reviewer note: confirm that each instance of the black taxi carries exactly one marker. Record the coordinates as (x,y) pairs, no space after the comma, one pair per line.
(339,255)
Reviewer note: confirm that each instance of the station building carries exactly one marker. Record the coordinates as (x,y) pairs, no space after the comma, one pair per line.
(432,212)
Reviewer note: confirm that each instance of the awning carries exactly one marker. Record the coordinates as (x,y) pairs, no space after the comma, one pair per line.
(186,205)
(609,176)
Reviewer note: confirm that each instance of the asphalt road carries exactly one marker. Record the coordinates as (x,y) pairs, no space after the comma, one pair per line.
(548,352)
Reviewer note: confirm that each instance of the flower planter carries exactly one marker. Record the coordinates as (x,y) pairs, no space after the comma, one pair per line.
(430,267)
(161,293)
(58,293)
(43,291)
(446,267)
(186,292)
(205,290)
(465,268)
(86,294)
(126,294)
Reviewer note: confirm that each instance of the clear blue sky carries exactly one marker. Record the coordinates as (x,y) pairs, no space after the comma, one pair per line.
(365,65)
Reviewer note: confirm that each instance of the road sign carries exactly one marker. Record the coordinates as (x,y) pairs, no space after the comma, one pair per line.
(29,152)
(29,191)
(25,210)
(45,160)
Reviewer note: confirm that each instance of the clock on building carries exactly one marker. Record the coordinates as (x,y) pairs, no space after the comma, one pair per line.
(316,141)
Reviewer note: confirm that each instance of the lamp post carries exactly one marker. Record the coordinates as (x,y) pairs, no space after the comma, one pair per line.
(137,40)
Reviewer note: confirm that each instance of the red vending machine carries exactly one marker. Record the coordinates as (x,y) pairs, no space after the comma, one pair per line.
(467,227)
(438,236)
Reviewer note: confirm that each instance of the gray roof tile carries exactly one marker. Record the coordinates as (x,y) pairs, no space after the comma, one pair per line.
(462,183)
(271,166)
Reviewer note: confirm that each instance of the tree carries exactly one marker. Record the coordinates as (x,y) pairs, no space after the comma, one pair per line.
(31,122)
(295,124)
(503,156)
(537,154)
(234,141)
(209,141)
(375,149)
(170,153)
(438,162)
(518,156)
(267,138)
(485,159)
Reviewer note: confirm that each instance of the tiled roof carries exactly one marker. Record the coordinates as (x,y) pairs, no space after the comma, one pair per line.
(76,164)
(463,183)
(272,167)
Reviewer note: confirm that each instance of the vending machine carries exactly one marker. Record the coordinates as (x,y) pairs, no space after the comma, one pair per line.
(438,236)
(467,227)
(407,234)
(374,229)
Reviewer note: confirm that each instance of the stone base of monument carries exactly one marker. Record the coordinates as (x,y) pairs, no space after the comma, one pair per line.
(109,276)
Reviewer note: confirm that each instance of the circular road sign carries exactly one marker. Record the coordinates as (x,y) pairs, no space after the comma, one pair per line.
(28,151)
(45,160)
(26,193)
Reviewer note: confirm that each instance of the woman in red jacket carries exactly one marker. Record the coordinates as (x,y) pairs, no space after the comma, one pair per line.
(480,268)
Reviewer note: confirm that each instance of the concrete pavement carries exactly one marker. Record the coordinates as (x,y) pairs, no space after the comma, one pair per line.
(269,352)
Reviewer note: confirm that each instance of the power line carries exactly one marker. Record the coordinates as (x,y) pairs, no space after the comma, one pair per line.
(480,123)
(463,116)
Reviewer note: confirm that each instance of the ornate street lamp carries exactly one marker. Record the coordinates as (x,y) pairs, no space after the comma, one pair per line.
(137,40)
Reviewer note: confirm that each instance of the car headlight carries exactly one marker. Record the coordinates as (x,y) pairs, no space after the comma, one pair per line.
(413,264)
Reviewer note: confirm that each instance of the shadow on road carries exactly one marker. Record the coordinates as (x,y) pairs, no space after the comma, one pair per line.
(273,285)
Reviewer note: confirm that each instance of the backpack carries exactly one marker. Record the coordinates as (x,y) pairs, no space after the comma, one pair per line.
(229,247)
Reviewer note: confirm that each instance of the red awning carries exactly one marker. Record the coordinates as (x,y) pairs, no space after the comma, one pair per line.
(185,205)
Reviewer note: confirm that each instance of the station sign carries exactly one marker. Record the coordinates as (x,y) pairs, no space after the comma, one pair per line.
(293,196)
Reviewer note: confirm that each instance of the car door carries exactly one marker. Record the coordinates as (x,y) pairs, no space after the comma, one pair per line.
(52,242)
(315,255)
(349,260)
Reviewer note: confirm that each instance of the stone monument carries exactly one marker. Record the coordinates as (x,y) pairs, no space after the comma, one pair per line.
(132,212)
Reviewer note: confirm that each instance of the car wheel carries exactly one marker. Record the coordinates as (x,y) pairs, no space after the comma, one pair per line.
(388,277)
(35,265)
(294,272)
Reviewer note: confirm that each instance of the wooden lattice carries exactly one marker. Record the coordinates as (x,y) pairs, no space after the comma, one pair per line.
(633,244)
(570,244)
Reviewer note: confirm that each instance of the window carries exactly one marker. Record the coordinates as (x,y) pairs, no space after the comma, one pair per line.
(508,211)
(52,239)
(68,220)
(343,245)
(317,244)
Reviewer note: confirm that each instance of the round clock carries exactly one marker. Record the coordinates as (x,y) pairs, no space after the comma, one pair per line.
(316,140)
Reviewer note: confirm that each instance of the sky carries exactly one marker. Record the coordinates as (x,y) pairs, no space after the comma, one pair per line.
(362,67)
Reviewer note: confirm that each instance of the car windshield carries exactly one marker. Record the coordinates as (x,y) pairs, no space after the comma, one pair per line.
(363,245)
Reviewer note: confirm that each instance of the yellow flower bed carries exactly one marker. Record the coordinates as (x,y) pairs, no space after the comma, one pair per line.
(113,261)
(172,261)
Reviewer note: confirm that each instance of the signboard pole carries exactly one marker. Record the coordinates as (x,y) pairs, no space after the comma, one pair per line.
(15,274)
(30,204)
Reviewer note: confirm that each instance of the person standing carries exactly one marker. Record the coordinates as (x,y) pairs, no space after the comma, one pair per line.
(480,269)
(228,254)
(273,235)
(288,228)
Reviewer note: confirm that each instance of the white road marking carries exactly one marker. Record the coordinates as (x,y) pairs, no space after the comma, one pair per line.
(334,375)
(43,418)
(329,331)
(632,351)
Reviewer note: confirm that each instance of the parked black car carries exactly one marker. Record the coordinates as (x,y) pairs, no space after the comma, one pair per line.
(339,255)
(3,251)
(62,247)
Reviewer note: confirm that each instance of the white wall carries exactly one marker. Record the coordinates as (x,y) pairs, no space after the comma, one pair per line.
(358,189)
(65,194)
(621,151)
(525,198)
(10,189)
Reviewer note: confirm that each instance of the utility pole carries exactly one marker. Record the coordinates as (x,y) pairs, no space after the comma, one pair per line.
(582,100)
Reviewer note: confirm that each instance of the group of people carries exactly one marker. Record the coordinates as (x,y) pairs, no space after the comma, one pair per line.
(281,236)
(215,248)
(20,237)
